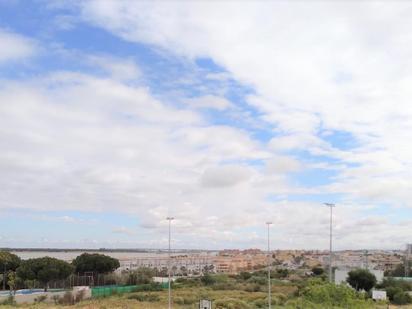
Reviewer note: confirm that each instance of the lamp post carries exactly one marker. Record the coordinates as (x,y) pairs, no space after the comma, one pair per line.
(269,267)
(169,286)
(330,205)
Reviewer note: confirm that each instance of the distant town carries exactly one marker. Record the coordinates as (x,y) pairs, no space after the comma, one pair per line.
(231,261)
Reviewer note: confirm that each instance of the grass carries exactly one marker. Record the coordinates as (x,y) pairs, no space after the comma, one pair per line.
(186,298)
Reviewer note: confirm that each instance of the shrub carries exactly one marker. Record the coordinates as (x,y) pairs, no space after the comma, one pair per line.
(331,294)
(391,291)
(244,275)
(145,297)
(401,298)
(154,286)
(231,303)
(142,275)
(9,301)
(56,299)
(80,295)
(254,287)
(67,299)
(40,299)
(184,300)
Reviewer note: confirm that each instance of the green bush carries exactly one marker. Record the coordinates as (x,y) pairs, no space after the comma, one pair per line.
(331,294)
(40,299)
(391,291)
(145,297)
(254,287)
(401,298)
(184,300)
(231,303)
(9,301)
(67,299)
(154,286)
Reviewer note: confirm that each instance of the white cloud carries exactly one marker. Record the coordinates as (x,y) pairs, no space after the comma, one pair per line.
(282,164)
(77,142)
(314,66)
(15,46)
(209,101)
(123,230)
(119,69)
(225,176)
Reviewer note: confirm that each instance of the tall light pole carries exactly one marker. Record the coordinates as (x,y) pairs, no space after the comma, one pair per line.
(330,205)
(269,266)
(169,286)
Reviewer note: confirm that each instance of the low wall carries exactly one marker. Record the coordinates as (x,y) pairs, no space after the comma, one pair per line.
(50,296)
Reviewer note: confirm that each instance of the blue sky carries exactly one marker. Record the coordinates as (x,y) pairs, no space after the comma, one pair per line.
(116,114)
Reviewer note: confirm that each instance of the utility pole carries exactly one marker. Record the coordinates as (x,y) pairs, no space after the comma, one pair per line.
(330,205)
(169,263)
(269,267)
(407,257)
(4,276)
(366,259)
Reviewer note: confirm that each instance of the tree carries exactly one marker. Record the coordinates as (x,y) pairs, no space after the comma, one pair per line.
(244,275)
(401,298)
(13,281)
(318,271)
(399,271)
(96,263)
(208,279)
(44,269)
(8,262)
(143,275)
(361,279)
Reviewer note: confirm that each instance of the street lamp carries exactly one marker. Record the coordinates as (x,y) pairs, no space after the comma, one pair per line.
(269,266)
(169,287)
(330,205)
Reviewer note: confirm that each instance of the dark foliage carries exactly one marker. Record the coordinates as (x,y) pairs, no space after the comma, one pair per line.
(96,263)
(361,279)
(44,270)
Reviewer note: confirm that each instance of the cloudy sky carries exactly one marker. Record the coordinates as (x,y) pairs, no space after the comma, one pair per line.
(117,114)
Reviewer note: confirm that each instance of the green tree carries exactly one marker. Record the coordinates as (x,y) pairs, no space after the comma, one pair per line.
(142,275)
(44,269)
(12,281)
(401,298)
(96,263)
(361,279)
(8,262)
(208,279)
(329,295)
(244,275)
(318,271)
(399,271)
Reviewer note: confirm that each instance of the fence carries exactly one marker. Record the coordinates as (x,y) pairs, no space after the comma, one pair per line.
(102,291)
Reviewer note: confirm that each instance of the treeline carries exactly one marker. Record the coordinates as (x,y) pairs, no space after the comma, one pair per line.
(17,273)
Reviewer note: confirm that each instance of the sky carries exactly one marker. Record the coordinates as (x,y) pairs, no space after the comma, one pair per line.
(224,115)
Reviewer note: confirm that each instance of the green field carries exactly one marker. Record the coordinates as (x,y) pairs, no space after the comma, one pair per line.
(188,298)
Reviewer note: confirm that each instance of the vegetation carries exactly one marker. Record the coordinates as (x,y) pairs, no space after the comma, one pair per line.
(361,279)
(44,270)
(399,271)
(290,289)
(143,275)
(95,263)
(397,290)
(8,261)
(318,271)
